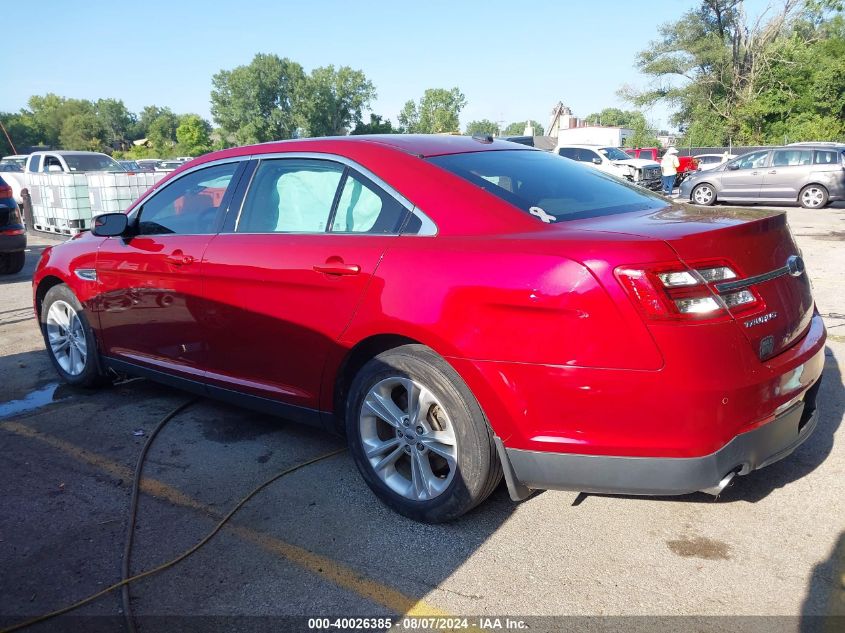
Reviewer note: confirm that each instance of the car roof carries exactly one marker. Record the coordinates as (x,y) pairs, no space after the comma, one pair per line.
(16,156)
(63,152)
(584,145)
(423,145)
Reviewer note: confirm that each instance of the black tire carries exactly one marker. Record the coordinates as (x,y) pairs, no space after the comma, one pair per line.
(478,469)
(90,375)
(813,197)
(11,263)
(702,199)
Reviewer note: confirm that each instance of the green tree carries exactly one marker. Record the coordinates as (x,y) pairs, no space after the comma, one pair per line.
(518,127)
(116,120)
(752,82)
(23,131)
(332,100)
(162,133)
(50,112)
(377,125)
(258,102)
(438,111)
(482,127)
(83,132)
(193,135)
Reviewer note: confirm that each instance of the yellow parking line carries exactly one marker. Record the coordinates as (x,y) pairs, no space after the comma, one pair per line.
(327,568)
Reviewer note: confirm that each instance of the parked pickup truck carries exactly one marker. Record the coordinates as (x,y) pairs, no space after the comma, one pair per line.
(613,160)
(688,164)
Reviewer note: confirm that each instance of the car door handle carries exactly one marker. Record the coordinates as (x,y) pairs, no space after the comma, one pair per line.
(336,266)
(755,173)
(774,171)
(178,258)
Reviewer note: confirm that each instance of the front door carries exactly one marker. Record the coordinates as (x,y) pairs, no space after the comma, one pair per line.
(150,303)
(743,177)
(285,281)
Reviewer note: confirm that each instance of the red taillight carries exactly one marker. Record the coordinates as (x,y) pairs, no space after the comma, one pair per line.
(680,293)
(5,191)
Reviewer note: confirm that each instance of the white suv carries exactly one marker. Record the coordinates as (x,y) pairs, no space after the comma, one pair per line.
(613,160)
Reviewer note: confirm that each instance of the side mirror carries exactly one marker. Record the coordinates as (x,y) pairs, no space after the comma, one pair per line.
(55,168)
(110,225)
(733,166)
(597,161)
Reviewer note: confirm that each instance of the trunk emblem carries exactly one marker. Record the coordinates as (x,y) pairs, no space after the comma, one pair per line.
(795,265)
(763,318)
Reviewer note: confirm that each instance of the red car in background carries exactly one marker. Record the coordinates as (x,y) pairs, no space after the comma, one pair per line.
(688,164)
(462,308)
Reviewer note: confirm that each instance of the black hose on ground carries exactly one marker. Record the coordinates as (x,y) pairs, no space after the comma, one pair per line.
(133,510)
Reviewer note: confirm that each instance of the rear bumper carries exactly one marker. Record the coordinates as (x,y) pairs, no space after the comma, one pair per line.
(663,475)
(12,243)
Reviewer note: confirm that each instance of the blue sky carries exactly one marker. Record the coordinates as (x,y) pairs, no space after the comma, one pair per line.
(512,59)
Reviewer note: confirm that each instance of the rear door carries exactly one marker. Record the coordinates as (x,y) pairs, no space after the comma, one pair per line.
(151,305)
(743,177)
(284,280)
(787,173)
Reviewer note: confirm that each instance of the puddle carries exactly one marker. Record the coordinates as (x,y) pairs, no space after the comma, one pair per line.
(700,547)
(33,400)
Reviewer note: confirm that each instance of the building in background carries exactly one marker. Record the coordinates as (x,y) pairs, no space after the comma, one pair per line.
(566,128)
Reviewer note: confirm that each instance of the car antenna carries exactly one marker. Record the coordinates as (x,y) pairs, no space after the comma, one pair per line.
(483,138)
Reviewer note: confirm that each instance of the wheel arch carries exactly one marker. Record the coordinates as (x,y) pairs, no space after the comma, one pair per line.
(44,285)
(704,182)
(358,356)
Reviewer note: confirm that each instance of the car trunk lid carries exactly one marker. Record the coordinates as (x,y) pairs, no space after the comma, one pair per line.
(757,244)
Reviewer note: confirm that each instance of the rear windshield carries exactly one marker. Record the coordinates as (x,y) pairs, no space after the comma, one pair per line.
(91,162)
(544,184)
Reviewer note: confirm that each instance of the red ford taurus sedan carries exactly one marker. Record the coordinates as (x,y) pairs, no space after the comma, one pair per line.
(462,308)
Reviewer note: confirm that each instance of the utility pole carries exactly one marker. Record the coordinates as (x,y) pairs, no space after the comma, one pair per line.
(8,138)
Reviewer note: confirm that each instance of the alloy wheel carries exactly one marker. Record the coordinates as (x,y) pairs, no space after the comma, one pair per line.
(408,438)
(703,194)
(66,337)
(812,197)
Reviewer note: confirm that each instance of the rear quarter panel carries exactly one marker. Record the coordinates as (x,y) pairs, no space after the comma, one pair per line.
(523,300)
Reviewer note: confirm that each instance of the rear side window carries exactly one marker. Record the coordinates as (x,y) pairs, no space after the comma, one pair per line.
(33,162)
(826,157)
(291,196)
(791,157)
(364,208)
(51,161)
(536,181)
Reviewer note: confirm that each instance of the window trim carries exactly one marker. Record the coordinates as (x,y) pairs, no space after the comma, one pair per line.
(343,171)
(427,228)
(228,197)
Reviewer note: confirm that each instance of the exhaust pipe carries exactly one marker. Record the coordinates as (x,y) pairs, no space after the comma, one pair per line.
(719,487)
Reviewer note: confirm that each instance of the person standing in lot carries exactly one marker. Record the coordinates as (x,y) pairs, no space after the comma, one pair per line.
(669,168)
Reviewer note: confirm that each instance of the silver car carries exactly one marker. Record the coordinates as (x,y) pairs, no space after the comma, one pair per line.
(812,174)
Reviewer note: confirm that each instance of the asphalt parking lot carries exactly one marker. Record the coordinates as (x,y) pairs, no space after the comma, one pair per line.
(318,543)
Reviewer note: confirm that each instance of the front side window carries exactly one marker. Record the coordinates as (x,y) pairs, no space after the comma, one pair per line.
(290,196)
(188,206)
(755,160)
(614,153)
(791,157)
(532,180)
(364,208)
